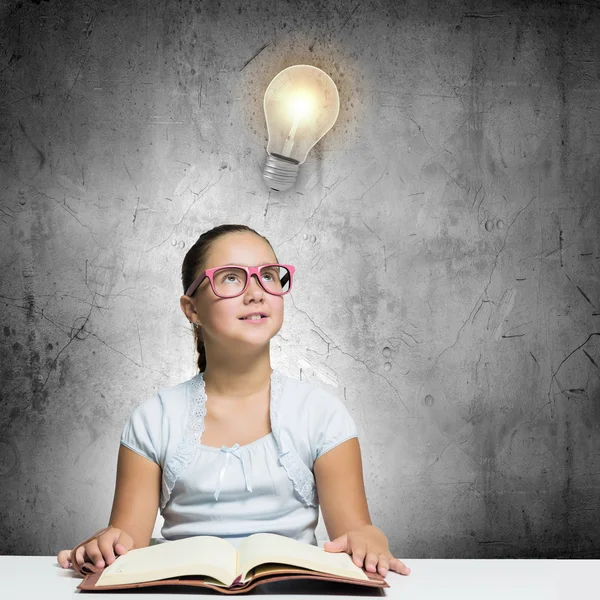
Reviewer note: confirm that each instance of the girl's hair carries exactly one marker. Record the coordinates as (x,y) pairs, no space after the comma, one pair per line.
(193,265)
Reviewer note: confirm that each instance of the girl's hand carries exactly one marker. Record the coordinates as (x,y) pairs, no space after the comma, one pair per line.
(98,552)
(370,545)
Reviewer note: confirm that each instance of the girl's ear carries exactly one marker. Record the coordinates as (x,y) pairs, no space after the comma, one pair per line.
(188,309)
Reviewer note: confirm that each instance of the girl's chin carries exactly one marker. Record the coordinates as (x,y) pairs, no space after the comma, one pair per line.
(240,331)
(256,331)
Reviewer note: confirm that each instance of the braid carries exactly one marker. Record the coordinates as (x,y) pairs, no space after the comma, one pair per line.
(200,349)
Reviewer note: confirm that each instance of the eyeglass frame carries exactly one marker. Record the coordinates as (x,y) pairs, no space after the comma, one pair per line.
(209,273)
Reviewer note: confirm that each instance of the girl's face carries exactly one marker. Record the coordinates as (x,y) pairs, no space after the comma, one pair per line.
(220,317)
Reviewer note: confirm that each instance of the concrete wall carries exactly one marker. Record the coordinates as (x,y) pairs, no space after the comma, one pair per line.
(445,232)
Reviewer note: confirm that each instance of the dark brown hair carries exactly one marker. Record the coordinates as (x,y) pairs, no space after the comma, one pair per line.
(193,265)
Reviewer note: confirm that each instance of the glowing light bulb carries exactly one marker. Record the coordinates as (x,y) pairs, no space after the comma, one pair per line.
(301,105)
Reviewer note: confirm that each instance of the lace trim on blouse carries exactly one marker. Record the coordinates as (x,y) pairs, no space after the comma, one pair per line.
(290,460)
(190,443)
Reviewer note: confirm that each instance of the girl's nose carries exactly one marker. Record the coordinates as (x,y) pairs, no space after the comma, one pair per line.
(254,284)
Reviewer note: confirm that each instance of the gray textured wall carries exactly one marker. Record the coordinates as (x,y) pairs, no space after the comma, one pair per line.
(445,234)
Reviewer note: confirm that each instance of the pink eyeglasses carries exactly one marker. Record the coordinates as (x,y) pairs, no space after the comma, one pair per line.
(232,280)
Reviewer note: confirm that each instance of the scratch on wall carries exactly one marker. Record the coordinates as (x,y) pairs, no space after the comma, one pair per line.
(506,305)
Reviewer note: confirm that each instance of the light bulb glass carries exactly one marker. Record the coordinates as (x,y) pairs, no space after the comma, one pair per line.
(301,105)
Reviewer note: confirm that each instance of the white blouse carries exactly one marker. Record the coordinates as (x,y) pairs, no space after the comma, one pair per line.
(265,486)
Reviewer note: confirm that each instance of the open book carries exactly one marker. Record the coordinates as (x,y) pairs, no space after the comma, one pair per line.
(213,562)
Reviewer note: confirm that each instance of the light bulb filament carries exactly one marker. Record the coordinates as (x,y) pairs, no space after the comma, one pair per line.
(289,141)
(300,106)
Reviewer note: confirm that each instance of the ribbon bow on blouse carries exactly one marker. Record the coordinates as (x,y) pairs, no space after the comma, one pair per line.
(245,467)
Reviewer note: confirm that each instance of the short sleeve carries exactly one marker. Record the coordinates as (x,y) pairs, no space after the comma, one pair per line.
(331,423)
(142,430)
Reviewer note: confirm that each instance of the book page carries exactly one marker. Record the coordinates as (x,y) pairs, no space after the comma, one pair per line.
(263,548)
(199,555)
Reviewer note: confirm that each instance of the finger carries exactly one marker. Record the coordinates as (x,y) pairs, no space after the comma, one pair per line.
(371,562)
(384,564)
(80,555)
(358,555)
(81,558)
(63,558)
(83,561)
(124,543)
(398,566)
(112,547)
(105,546)
(340,544)
(94,553)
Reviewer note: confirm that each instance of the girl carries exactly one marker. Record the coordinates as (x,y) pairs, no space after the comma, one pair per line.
(239,448)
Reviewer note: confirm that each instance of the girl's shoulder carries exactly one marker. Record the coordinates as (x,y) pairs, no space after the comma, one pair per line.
(313,418)
(167,400)
(301,396)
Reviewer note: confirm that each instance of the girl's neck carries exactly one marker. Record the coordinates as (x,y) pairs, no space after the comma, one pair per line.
(237,380)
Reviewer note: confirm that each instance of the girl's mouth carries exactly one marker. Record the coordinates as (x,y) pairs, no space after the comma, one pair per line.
(254,319)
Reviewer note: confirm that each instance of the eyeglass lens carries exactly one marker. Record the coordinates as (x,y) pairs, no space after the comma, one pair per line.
(231,281)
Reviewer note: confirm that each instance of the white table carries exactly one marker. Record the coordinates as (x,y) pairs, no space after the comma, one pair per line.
(33,577)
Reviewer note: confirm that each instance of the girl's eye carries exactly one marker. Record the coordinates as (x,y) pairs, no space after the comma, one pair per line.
(272,275)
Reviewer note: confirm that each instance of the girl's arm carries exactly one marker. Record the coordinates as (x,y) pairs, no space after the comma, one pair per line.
(341,489)
(137,495)
(341,492)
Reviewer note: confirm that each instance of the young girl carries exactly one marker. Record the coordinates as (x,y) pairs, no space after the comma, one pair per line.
(239,448)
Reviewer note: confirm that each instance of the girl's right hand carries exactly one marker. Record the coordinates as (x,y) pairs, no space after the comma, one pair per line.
(98,552)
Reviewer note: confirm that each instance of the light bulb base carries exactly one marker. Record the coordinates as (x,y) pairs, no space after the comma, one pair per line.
(280,172)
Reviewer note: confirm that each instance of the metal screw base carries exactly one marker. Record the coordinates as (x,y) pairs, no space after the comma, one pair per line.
(280,173)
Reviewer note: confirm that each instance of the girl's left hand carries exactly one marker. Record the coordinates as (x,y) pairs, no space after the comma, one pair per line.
(368,544)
